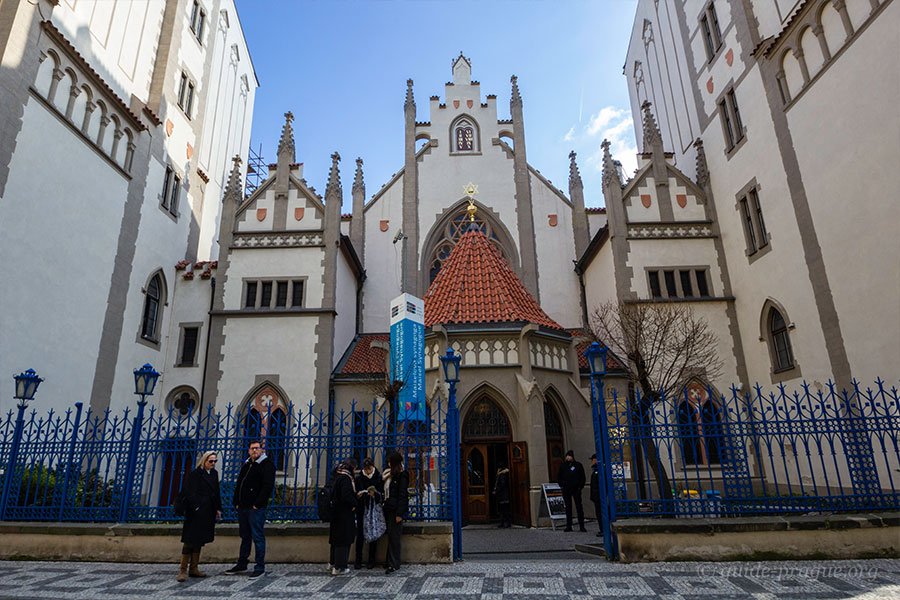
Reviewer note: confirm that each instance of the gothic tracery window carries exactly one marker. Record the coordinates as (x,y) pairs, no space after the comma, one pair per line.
(452,231)
(486,421)
(464,132)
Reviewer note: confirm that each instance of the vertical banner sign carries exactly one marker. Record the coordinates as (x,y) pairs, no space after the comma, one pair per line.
(408,355)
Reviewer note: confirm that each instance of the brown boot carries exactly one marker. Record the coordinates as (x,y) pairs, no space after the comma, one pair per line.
(182,573)
(195,560)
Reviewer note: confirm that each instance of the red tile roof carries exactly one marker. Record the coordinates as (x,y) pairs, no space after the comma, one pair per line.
(477,285)
(364,358)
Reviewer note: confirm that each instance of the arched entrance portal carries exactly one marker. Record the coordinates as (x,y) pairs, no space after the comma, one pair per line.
(486,443)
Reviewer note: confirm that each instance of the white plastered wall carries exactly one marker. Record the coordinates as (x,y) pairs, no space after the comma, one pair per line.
(382,283)
(345,305)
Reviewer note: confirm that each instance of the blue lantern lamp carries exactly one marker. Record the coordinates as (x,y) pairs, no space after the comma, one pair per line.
(145,381)
(26,385)
(144,384)
(450,362)
(596,357)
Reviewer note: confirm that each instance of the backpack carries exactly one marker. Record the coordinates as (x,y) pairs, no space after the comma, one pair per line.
(324,501)
(179,504)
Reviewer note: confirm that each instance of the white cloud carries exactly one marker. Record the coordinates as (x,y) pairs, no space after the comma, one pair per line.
(570,134)
(602,119)
(618,128)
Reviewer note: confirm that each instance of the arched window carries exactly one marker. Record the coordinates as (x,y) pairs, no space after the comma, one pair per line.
(455,227)
(699,427)
(782,355)
(150,320)
(464,136)
(555,442)
(486,420)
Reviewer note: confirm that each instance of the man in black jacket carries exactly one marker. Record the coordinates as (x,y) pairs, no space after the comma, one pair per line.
(251,497)
(571,481)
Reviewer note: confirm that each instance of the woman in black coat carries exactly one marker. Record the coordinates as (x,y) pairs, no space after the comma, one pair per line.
(367,479)
(203,505)
(342,529)
(396,508)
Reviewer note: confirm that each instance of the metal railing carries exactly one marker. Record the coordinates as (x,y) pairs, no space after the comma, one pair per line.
(703,454)
(82,466)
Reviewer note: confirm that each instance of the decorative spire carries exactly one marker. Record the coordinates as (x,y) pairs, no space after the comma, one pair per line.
(574,175)
(702,168)
(233,187)
(515,98)
(410,101)
(610,170)
(652,136)
(334,177)
(358,182)
(286,144)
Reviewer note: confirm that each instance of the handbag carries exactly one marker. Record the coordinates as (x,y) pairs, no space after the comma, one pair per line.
(373,521)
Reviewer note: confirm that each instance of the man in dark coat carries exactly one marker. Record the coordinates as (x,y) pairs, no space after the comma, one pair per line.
(369,491)
(203,505)
(342,528)
(251,497)
(396,508)
(595,492)
(571,481)
(501,493)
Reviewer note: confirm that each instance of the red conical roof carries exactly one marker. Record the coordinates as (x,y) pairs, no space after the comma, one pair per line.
(477,285)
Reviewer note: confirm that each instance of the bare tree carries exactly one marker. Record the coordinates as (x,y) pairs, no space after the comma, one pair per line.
(666,345)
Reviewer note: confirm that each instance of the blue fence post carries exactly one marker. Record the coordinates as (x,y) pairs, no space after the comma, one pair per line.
(13,457)
(455,492)
(69,461)
(136,427)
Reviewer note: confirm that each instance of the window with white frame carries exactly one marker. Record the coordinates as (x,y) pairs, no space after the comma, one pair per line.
(170,191)
(732,124)
(198,20)
(186,94)
(753,222)
(712,34)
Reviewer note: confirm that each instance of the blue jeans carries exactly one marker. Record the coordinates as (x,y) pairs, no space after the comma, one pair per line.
(251,526)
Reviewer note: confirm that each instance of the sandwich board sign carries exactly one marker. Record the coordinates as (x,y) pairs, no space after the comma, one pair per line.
(556,507)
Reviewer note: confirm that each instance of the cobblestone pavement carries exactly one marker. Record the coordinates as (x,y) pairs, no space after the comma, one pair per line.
(528,579)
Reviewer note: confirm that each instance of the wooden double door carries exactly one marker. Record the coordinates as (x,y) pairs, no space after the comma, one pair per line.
(479,475)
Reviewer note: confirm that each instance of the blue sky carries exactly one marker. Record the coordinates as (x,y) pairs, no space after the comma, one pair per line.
(341,67)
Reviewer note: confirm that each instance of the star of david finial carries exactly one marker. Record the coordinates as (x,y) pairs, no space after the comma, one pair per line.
(470,189)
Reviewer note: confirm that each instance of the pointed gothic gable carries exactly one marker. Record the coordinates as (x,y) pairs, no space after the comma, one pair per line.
(476,285)
(642,199)
(305,209)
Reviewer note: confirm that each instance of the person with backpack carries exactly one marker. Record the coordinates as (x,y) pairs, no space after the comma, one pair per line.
(396,508)
(369,491)
(254,487)
(342,527)
(202,505)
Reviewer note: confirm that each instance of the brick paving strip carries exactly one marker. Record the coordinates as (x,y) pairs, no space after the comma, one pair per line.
(531,578)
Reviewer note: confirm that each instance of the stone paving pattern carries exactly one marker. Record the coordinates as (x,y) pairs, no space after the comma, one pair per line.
(532,578)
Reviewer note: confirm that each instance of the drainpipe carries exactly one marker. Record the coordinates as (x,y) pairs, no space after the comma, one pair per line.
(212,293)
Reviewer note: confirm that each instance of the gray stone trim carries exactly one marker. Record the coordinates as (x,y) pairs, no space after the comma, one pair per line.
(180,348)
(753,256)
(324,330)
(272,312)
(621,247)
(676,230)
(410,218)
(119,283)
(765,336)
(524,208)
(812,250)
(284,239)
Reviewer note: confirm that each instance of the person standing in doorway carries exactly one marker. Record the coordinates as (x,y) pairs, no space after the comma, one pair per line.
(396,507)
(203,505)
(251,497)
(501,493)
(369,490)
(595,492)
(342,527)
(571,481)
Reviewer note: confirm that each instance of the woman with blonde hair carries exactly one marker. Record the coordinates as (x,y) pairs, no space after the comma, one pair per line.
(203,505)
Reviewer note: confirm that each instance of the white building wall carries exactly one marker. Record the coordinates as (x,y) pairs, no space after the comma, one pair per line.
(383,282)
(345,305)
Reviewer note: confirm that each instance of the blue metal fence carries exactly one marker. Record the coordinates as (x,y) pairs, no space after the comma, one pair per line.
(83,466)
(701,453)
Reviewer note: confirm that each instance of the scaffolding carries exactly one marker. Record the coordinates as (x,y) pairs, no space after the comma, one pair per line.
(256,168)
